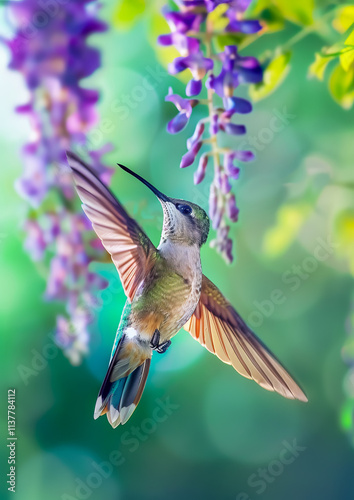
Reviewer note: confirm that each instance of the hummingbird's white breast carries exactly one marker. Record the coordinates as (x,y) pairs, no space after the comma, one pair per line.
(169,295)
(185,261)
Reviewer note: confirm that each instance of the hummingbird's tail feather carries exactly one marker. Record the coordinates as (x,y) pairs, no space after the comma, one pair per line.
(119,398)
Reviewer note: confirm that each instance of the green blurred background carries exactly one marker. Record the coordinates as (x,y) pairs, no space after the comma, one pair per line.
(223,430)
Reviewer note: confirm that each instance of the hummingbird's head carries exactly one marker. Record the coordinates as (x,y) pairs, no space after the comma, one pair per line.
(183,222)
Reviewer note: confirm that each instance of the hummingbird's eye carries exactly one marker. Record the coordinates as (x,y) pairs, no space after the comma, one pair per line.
(184,209)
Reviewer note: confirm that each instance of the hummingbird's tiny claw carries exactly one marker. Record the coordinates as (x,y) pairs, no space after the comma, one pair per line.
(155,339)
(155,343)
(163,347)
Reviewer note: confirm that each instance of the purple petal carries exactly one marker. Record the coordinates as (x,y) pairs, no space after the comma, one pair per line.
(244,155)
(24,108)
(228,251)
(93,26)
(180,103)
(233,172)
(247,26)
(251,75)
(186,45)
(230,168)
(231,128)
(189,157)
(199,174)
(179,21)
(194,87)
(239,6)
(165,40)
(177,123)
(249,70)
(199,130)
(217,83)
(232,210)
(178,65)
(214,124)
(35,242)
(213,201)
(230,51)
(225,184)
(238,105)
(196,62)
(216,221)
(217,177)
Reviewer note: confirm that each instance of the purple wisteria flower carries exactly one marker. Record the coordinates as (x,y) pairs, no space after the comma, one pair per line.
(184,107)
(193,35)
(53,58)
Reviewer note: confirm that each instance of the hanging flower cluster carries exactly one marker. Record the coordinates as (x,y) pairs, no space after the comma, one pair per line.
(50,50)
(193,33)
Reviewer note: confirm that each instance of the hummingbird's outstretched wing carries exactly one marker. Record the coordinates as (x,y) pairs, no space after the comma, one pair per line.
(131,250)
(218,327)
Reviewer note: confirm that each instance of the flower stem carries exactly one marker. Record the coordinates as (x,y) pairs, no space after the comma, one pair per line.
(309,29)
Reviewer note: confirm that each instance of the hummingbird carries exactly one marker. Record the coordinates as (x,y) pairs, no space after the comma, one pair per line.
(166,290)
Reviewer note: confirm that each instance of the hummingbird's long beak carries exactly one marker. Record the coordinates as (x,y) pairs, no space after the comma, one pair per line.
(158,193)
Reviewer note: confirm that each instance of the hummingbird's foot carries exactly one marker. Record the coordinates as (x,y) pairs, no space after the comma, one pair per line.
(155,343)
(163,347)
(155,339)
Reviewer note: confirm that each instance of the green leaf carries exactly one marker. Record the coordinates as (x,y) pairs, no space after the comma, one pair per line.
(217,19)
(350,39)
(269,14)
(319,66)
(344,233)
(228,39)
(273,19)
(347,59)
(341,86)
(344,18)
(296,11)
(128,12)
(299,11)
(273,76)
(280,237)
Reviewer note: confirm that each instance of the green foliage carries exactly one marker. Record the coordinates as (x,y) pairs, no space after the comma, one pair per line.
(290,218)
(344,18)
(128,12)
(346,57)
(216,18)
(274,74)
(313,19)
(277,12)
(228,39)
(272,18)
(300,12)
(318,67)
(341,86)
(344,231)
